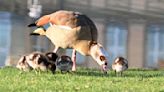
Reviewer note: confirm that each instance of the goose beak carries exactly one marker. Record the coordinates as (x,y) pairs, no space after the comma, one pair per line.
(104,68)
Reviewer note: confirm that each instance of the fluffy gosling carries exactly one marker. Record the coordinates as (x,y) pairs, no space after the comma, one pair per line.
(64,63)
(120,64)
(38,61)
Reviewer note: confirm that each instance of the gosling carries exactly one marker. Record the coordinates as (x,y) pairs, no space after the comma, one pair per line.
(38,61)
(64,63)
(120,64)
(23,65)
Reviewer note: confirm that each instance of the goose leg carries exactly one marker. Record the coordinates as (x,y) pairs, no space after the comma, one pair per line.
(74,60)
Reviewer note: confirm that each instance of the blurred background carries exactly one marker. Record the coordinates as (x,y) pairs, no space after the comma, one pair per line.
(133,29)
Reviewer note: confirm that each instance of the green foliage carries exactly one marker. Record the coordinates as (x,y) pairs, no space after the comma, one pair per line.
(84,80)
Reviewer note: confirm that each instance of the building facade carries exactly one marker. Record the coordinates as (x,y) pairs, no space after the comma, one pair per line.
(133,29)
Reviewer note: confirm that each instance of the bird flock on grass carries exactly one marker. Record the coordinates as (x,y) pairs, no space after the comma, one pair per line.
(50,61)
(44,62)
(68,29)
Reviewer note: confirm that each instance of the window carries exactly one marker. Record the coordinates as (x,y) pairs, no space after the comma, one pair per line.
(116,38)
(5,29)
(155,45)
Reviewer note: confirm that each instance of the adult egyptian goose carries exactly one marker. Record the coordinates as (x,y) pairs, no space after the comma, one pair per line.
(64,63)
(120,64)
(71,29)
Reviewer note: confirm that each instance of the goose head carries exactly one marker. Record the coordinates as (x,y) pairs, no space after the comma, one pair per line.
(99,54)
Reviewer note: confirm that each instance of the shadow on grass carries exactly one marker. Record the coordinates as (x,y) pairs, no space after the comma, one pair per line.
(92,73)
(141,73)
(135,73)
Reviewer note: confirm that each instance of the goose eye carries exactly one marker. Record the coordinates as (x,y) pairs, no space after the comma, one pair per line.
(102,58)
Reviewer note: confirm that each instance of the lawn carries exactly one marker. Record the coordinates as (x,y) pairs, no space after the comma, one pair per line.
(84,80)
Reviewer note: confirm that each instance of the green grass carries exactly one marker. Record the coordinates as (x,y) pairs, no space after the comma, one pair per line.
(84,80)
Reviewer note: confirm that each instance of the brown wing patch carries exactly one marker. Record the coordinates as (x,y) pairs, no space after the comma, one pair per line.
(65,18)
(43,20)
